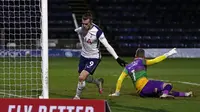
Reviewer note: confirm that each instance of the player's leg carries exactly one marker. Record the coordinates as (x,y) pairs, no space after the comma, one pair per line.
(153,88)
(167,87)
(91,66)
(91,79)
(181,94)
(81,83)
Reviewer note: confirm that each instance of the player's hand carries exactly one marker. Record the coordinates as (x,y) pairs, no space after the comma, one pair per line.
(171,52)
(121,62)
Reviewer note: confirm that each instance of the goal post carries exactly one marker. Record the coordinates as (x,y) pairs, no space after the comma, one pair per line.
(45,64)
(24,49)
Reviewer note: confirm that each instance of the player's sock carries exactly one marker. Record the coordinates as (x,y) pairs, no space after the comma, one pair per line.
(80,88)
(177,94)
(91,79)
(167,89)
(100,85)
(181,94)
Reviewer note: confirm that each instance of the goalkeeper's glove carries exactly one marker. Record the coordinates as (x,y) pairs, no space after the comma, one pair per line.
(171,52)
(121,62)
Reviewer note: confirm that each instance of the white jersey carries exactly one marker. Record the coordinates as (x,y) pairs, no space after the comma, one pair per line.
(91,42)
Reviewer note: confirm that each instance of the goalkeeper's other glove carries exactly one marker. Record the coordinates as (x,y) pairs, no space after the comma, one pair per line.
(171,52)
(121,62)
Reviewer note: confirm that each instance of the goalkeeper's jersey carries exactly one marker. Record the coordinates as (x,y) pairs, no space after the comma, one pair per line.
(137,71)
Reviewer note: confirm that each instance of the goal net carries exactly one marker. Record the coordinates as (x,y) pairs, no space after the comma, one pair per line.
(21,71)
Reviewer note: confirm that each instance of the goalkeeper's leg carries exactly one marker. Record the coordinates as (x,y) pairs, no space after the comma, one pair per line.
(181,94)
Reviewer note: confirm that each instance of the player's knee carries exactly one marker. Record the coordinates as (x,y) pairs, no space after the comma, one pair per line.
(167,84)
(83,75)
(81,78)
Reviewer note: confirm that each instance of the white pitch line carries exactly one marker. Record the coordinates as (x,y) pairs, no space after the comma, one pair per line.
(182,82)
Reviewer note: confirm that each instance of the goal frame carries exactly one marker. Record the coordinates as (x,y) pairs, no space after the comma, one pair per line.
(44,45)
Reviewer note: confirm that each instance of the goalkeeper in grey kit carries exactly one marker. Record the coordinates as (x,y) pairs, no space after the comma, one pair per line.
(91,36)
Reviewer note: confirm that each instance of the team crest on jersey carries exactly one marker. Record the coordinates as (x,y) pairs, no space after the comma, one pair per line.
(89,41)
(90,38)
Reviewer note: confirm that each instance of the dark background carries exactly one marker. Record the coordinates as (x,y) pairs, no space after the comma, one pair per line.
(127,24)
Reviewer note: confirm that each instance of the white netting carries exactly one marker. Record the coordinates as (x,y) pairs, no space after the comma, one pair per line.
(20,53)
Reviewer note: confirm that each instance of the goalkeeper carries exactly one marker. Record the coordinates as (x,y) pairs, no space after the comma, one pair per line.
(144,87)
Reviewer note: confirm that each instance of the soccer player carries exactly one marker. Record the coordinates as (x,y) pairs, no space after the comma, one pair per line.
(145,87)
(91,36)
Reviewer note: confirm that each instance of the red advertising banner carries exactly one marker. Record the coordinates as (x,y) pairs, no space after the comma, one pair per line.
(53,105)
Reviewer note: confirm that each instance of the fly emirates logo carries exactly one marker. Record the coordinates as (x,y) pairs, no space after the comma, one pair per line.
(51,108)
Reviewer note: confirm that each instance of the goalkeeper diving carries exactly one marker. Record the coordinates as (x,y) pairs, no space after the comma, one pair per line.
(145,87)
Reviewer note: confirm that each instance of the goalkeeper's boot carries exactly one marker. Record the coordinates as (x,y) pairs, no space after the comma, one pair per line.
(163,96)
(76,97)
(100,85)
(189,94)
(115,94)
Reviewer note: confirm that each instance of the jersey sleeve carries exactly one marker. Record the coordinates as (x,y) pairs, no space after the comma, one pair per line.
(155,60)
(100,34)
(120,80)
(109,48)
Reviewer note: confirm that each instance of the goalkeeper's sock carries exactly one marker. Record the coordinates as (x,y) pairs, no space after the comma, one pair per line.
(181,94)
(80,87)
(91,79)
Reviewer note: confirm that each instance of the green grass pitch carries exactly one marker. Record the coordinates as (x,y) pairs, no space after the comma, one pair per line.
(63,78)
(63,81)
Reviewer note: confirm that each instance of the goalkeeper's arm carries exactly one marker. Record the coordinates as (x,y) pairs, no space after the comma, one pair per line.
(161,58)
(120,80)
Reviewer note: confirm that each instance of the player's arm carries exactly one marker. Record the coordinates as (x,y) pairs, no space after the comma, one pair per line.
(120,80)
(155,60)
(109,48)
(161,58)
(119,83)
